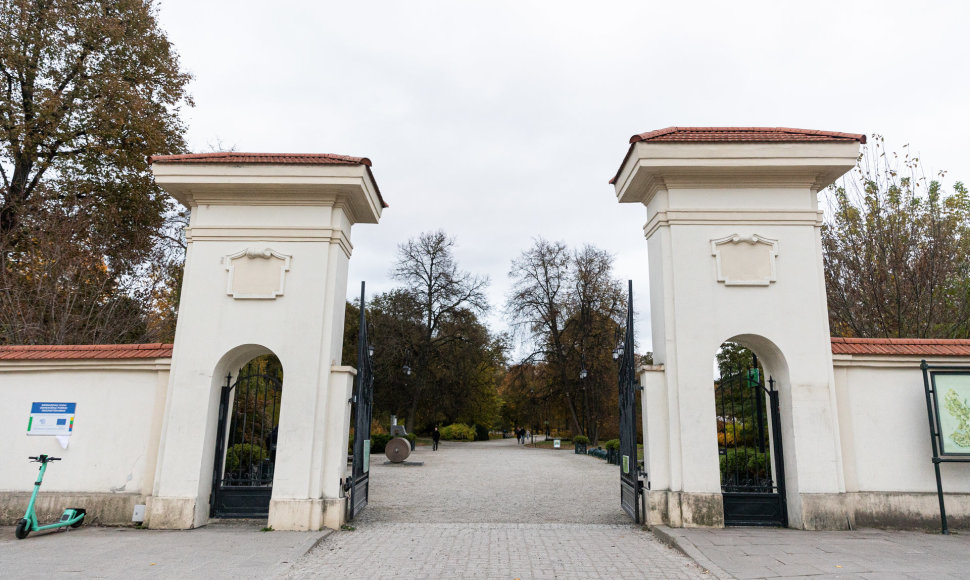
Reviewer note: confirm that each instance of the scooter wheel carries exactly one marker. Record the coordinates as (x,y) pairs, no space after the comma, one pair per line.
(78,523)
(21,531)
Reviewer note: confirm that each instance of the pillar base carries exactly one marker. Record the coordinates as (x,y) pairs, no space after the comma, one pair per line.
(171,513)
(302,515)
(825,511)
(681,509)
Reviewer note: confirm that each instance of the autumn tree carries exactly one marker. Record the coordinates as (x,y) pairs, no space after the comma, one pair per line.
(569,308)
(89,89)
(537,307)
(897,251)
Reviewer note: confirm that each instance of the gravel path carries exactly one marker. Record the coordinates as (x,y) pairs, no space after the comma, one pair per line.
(494,509)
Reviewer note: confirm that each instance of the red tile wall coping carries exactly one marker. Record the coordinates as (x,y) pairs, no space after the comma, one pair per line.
(274,158)
(901,346)
(871,346)
(744,134)
(86,351)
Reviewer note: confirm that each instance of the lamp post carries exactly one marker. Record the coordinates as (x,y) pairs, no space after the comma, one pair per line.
(583,373)
(532,431)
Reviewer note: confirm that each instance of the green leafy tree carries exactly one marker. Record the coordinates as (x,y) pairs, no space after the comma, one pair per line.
(897,251)
(427,268)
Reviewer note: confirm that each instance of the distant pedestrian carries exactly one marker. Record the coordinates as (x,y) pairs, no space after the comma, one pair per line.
(435,437)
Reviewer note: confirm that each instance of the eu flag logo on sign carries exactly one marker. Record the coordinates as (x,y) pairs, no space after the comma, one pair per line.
(62,421)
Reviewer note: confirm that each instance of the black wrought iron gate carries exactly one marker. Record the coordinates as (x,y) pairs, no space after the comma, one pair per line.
(242,478)
(631,486)
(363,404)
(750,449)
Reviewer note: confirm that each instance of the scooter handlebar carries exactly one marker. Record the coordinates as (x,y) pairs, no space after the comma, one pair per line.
(43,458)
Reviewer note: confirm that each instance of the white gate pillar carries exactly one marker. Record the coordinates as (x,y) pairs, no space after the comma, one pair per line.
(734,251)
(265,272)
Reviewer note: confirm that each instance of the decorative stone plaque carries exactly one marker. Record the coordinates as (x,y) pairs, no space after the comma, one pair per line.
(256,274)
(745,260)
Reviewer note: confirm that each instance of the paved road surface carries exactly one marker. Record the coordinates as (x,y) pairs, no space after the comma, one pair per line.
(495,510)
(485,510)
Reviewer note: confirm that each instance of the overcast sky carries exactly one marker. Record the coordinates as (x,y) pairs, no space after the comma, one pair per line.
(503,121)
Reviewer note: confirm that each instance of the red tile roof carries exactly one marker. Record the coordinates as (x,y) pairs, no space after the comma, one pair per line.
(743,134)
(286,158)
(234,157)
(736,135)
(86,351)
(871,346)
(901,346)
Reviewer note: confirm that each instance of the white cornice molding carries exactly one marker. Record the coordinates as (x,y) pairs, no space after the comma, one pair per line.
(328,235)
(731,217)
(653,166)
(194,184)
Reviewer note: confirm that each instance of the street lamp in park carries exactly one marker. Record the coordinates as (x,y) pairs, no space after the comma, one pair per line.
(532,431)
(618,351)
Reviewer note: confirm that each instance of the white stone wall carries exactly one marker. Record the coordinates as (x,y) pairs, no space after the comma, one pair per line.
(883,438)
(885,431)
(114,445)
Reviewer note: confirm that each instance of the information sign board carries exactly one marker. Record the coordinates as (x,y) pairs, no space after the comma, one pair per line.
(51,419)
(556,443)
(952,409)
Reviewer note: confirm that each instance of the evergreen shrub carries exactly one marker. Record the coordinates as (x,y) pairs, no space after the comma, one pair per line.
(378,442)
(243,456)
(458,432)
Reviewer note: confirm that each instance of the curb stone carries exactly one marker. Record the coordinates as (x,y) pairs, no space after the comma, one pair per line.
(686,547)
(312,543)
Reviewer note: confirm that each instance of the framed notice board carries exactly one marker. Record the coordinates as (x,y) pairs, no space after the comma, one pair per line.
(948,410)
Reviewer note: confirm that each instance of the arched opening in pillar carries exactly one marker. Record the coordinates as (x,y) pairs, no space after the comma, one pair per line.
(246,434)
(749,432)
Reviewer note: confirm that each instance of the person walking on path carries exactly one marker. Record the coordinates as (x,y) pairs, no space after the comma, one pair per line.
(435,437)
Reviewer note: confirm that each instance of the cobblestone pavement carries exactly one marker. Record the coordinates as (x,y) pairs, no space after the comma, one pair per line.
(775,553)
(231,550)
(500,551)
(494,510)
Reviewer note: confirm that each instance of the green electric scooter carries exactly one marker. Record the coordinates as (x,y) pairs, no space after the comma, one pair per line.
(73,517)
